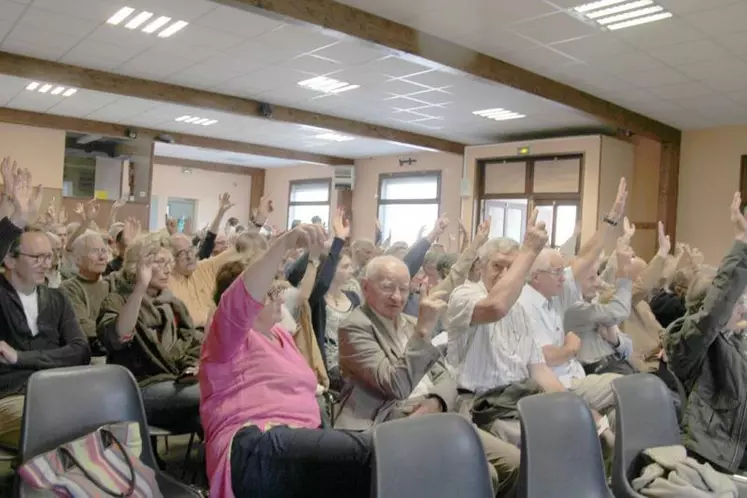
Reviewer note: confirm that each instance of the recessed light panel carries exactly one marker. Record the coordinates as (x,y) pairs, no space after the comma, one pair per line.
(197,120)
(327,85)
(619,14)
(145,22)
(47,88)
(498,114)
(334,137)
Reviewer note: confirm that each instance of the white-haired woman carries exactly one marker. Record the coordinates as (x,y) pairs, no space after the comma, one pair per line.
(149,331)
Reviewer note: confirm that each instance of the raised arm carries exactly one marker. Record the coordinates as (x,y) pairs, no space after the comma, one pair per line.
(208,243)
(507,289)
(26,201)
(416,255)
(341,228)
(116,206)
(460,269)
(651,276)
(87,212)
(590,252)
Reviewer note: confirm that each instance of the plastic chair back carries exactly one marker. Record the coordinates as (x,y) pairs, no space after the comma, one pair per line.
(561,456)
(434,456)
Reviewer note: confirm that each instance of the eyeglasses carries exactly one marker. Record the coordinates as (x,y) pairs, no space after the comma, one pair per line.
(38,259)
(164,263)
(103,251)
(557,272)
(391,289)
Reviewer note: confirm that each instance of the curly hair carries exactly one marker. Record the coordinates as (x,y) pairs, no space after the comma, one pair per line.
(145,245)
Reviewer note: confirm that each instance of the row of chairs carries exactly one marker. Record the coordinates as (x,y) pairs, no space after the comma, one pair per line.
(560,452)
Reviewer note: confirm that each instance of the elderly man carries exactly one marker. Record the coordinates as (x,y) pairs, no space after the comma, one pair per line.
(392,368)
(38,328)
(87,289)
(193,281)
(551,290)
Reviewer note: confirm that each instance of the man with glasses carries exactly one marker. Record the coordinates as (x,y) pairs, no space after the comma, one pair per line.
(38,327)
(394,371)
(87,289)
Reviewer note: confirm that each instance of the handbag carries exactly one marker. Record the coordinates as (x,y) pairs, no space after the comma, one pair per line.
(103,463)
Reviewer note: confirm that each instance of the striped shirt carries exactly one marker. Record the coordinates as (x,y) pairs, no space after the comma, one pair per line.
(489,355)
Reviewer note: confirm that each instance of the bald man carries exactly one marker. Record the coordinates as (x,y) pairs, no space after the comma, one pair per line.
(87,289)
(394,371)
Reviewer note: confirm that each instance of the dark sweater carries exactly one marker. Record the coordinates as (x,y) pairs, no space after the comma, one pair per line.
(60,341)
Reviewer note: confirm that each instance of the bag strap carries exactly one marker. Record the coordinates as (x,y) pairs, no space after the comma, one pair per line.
(95,481)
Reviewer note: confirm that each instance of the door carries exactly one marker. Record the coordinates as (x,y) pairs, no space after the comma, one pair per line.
(183,211)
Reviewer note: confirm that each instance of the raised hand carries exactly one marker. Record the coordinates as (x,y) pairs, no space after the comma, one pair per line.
(266,207)
(624,254)
(441,224)
(483,229)
(628,229)
(341,225)
(618,208)
(536,236)
(119,203)
(306,236)
(26,199)
(9,171)
(144,271)
(224,202)
(738,220)
(429,311)
(130,231)
(90,210)
(665,244)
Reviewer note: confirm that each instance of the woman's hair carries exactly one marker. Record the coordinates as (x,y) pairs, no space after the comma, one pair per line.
(682,281)
(445,262)
(143,246)
(251,242)
(232,270)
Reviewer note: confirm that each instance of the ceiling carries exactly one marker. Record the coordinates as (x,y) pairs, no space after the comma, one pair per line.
(219,156)
(689,71)
(227,50)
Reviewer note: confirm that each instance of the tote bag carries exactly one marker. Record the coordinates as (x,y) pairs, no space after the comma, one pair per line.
(103,463)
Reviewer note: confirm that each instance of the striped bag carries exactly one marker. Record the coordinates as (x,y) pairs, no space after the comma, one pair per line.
(103,463)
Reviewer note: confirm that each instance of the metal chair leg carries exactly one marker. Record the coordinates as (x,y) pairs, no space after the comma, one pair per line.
(187,457)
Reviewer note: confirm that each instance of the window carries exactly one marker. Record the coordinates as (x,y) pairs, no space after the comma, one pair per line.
(407,202)
(510,188)
(307,200)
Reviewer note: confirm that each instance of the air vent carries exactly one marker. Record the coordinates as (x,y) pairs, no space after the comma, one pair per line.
(344,177)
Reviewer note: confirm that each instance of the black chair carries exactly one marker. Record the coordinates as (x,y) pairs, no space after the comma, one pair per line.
(646,418)
(560,452)
(434,456)
(63,404)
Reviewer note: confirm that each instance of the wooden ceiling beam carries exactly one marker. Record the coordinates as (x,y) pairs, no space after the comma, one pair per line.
(112,130)
(334,16)
(92,79)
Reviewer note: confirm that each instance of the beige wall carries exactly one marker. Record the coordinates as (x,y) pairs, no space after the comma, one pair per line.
(365,194)
(589,146)
(203,186)
(643,205)
(709,175)
(617,161)
(277,188)
(40,150)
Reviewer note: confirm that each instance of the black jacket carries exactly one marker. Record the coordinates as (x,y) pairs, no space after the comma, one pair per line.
(60,341)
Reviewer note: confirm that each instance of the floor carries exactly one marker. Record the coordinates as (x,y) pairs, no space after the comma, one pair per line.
(173,457)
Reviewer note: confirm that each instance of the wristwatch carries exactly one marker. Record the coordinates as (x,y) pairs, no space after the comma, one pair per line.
(609,220)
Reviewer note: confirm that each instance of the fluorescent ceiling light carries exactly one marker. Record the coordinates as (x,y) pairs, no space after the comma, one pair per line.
(498,114)
(139,19)
(640,20)
(618,14)
(334,137)
(418,147)
(32,86)
(327,85)
(69,92)
(630,15)
(314,128)
(45,88)
(620,8)
(597,5)
(120,16)
(57,90)
(178,25)
(196,120)
(154,26)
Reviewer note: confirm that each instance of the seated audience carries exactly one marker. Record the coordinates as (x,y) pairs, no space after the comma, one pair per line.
(492,346)
(38,327)
(604,348)
(668,304)
(706,351)
(259,408)
(394,371)
(88,289)
(145,328)
(193,280)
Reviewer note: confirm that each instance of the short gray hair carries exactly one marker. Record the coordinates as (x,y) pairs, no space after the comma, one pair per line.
(145,245)
(373,268)
(502,245)
(80,243)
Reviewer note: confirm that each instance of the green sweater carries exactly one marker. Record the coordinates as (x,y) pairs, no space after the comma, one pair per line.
(86,298)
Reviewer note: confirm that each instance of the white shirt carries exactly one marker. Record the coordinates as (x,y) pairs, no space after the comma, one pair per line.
(488,355)
(30,303)
(546,318)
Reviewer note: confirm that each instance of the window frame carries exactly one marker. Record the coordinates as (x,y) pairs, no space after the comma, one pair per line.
(404,202)
(533,199)
(291,203)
